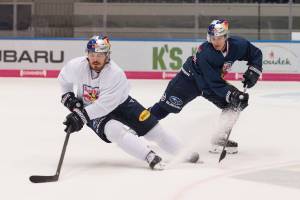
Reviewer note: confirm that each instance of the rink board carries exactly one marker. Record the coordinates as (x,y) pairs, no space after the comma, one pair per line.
(148,59)
(145,75)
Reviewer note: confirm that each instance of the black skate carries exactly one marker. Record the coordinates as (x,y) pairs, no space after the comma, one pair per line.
(154,161)
(231,147)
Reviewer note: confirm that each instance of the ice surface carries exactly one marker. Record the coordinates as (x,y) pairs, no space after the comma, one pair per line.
(32,137)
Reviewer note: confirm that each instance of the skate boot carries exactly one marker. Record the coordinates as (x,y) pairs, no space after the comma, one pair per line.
(193,157)
(154,161)
(217,146)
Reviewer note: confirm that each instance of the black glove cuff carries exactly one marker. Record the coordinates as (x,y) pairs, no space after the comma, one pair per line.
(231,89)
(82,114)
(67,96)
(227,98)
(257,71)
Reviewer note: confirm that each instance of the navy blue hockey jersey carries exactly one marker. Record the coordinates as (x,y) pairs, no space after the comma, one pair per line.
(210,65)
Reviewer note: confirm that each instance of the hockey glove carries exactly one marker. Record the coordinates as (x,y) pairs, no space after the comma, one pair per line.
(75,120)
(238,99)
(70,101)
(251,76)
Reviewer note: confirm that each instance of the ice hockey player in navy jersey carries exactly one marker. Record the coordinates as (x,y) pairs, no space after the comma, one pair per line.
(103,103)
(203,75)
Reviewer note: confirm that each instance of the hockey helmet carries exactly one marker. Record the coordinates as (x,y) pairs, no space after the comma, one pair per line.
(218,28)
(98,44)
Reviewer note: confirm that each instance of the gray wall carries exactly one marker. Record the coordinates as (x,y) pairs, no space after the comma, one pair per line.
(75,18)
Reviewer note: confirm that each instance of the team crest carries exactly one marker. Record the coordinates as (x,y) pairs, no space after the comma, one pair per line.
(90,94)
(226,67)
(144,115)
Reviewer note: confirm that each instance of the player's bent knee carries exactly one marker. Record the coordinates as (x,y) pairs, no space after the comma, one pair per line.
(114,131)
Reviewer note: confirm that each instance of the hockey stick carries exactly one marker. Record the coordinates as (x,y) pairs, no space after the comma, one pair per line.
(224,152)
(44,179)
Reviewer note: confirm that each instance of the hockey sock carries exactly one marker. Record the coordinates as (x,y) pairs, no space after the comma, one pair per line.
(164,140)
(130,143)
(225,123)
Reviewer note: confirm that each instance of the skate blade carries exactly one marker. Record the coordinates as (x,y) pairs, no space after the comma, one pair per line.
(159,166)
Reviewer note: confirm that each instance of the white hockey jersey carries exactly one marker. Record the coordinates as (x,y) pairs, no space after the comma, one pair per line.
(100,95)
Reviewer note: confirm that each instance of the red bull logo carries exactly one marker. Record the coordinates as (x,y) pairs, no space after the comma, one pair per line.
(90,94)
(226,68)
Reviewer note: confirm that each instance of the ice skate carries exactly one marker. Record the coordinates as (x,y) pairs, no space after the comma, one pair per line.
(217,146)
(155,162)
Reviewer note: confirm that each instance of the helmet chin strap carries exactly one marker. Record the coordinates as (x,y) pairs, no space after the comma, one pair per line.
(225,47)
(107,58)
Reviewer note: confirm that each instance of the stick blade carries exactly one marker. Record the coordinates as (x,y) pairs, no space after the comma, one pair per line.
(222,156)
(43,179)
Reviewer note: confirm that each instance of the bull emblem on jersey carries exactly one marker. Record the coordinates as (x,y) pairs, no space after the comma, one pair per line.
(90,94)
(226,68)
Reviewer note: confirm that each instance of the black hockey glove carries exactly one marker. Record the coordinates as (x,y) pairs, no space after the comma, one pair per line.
(75,120)
(70,101)
(238,99)
(251,76)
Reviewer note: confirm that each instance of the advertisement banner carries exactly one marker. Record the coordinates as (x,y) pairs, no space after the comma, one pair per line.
(281,57)
(139,59)
(38,54)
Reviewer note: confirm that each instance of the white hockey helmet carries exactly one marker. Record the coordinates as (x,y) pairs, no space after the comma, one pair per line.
(98,44)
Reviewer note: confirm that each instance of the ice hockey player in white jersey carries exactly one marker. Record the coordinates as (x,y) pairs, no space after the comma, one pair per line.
(103,103)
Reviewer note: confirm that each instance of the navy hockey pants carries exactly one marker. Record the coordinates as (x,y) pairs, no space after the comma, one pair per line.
(130,113)
(180,91)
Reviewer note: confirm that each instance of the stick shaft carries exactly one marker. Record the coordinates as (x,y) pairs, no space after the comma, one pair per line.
(223,153)
(63,153)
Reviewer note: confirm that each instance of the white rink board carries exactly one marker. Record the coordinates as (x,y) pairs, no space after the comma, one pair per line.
(147,56)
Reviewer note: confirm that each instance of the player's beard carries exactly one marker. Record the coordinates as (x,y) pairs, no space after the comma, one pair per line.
(97,66)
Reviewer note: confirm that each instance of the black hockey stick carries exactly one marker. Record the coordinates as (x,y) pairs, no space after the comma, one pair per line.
(224,152)
(44,179)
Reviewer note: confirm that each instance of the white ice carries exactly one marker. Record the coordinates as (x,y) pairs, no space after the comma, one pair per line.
(266,167)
